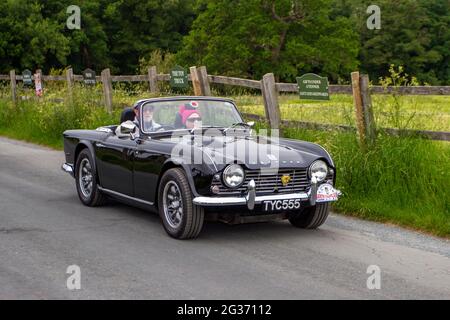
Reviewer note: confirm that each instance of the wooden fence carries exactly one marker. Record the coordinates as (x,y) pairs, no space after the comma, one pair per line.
(270,90)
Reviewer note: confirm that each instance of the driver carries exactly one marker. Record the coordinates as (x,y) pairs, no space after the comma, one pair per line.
(147,119)
(136,112)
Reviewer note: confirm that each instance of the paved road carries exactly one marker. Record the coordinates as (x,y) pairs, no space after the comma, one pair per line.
(124,252)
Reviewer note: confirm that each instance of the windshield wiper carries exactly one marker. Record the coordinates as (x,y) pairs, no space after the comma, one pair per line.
(203,127)
(237,124)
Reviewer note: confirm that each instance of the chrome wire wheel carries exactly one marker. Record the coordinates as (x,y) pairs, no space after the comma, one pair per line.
(173,204)
(85,179)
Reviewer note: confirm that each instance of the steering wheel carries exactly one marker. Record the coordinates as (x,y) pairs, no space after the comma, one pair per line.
(166,127)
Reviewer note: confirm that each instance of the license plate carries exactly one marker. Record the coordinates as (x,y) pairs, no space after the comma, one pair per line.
(281,205)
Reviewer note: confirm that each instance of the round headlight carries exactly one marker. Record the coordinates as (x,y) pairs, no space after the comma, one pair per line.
(319,169)
(233,176)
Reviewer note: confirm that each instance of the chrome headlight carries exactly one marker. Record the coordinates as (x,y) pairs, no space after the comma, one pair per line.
(233,176)
(319,170)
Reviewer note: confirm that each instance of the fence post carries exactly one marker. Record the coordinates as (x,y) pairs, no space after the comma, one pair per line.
(363,108)
(69,79)
(367,108)
(107,89)
(39,72)
(270,96)
(204,82)
(195,81)
(12,76)
(152,80)
(39,83)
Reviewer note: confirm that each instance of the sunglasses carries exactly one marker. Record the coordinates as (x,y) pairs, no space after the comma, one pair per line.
(194,119)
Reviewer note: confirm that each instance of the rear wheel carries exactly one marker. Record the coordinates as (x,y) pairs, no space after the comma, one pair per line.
(86,180)
(310,217)
(181,218)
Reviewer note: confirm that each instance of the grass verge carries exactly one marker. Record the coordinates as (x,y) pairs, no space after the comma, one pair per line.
(403,180)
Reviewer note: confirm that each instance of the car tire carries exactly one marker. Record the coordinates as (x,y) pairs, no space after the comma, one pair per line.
(86,180)
(181,218)
(310,217)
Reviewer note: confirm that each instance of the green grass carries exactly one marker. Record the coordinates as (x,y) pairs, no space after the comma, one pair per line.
(403,180)
(414,112)
(43,121)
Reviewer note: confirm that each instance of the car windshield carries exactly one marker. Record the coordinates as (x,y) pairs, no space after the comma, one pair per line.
(188,114)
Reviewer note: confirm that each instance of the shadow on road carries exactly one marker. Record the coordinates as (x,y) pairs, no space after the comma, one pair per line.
(219,231)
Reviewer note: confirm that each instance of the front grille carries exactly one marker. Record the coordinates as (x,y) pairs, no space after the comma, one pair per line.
(268,182)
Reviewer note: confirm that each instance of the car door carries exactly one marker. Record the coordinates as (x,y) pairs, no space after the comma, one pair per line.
(115,162)
(148,162)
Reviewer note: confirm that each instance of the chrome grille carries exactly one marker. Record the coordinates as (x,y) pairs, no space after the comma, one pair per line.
(270,181)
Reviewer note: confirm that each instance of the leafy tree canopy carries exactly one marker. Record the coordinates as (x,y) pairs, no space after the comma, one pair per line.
(253,37)
(246,38)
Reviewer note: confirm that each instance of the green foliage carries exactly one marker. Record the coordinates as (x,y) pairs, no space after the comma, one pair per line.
(250,38)
(114,33)
(136,28)
(402,180)
(28,38)
(231,37)
(414,33)
(164,61)
(44,121)
(395,104)
(401,111)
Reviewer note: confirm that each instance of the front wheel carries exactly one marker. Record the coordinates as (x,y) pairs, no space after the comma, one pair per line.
(181,218)
(86,180)
(310,217)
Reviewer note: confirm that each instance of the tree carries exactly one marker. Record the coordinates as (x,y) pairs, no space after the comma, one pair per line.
(28,39)
(287,37)
(437,70)
(135,28)
(89,44)
(415,34)
(114,33)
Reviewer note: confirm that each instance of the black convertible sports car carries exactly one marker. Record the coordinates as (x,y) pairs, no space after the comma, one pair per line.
(193,159)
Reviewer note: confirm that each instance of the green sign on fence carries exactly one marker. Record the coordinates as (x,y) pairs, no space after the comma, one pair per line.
(27,77)
(178,77)
(89,77)
(313,87)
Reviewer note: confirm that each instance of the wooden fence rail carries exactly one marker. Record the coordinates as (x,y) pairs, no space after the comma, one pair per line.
(431,135)
(270,90)
(256,84)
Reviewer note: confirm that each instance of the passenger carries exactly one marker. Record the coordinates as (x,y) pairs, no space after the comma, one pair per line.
(188,116)
(193,121)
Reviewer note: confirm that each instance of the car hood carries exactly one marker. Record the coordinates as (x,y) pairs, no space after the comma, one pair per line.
(254,152)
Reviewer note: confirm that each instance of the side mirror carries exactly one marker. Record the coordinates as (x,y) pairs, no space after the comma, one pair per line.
(127,129)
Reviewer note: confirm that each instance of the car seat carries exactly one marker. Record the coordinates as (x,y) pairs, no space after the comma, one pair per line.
(127,115)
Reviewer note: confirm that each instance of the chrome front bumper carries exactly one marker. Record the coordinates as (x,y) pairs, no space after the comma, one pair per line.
(68,168)
(250,199)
